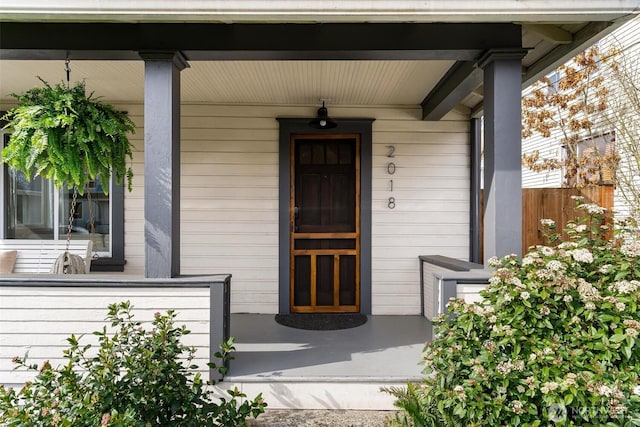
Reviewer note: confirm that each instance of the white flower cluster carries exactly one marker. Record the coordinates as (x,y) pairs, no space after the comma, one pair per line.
(459,391)
(507,330)
(625,287)
(547,251)
(517,406)
(581,255)
(489,345)
(631,249)
(567,245)
(549,386)
(587,291)
(581,228)
(547,222)
(592,208)
(605,268)
(605,390)
(555,265)
(544,274)
(632,328)
(569,381)
(495,280)
(506,367)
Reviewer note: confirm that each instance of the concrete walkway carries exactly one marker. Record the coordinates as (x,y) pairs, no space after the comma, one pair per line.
(322,418)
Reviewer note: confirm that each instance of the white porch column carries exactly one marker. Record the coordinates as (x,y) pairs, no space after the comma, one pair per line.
(162,162)
(502,152)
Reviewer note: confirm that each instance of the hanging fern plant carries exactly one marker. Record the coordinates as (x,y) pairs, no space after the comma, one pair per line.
(60,133)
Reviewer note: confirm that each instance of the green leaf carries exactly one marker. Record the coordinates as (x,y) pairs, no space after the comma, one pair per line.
(617,338)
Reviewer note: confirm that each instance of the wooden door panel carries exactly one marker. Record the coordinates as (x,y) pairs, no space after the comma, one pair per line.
(325,231)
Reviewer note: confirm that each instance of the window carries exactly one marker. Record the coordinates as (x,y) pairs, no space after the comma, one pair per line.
(596,163)
(36,210)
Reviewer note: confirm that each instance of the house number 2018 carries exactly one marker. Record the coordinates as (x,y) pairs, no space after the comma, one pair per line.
(391,169)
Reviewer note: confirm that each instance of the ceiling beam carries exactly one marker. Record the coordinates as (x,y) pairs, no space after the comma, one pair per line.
(210,41)
(583,39)
(459,81)
(552,33)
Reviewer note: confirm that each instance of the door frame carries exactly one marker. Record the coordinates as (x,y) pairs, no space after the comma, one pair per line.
(299,126)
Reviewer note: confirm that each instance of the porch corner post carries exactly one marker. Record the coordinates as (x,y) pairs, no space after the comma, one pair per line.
(502,152)
(475,216)
(162,162)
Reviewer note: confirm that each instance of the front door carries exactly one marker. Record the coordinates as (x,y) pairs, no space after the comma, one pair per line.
(324,214)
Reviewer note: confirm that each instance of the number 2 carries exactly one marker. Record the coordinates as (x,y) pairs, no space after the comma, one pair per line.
(392,150)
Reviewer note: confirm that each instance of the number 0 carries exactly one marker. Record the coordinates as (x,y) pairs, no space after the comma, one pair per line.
(391,168)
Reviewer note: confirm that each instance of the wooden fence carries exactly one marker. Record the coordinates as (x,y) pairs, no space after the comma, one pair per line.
(555,204)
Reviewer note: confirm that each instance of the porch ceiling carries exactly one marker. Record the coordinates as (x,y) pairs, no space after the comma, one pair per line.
(246,82)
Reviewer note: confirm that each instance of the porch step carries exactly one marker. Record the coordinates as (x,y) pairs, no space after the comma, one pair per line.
(310,393)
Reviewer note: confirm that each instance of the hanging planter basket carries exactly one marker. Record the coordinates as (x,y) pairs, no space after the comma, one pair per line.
(60,133)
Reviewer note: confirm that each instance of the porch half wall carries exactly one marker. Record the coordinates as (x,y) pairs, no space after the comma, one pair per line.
(229,198)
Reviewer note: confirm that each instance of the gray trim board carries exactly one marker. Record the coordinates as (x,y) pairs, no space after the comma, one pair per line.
(475,215)
(459,81)
(116,261)
(449,263)
(288,127)
(283,41)
(564,52)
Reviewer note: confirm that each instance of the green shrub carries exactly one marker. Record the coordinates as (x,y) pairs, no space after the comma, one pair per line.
(553,342)
(134,378)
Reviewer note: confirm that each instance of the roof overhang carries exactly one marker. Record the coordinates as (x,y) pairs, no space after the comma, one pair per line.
(306,11)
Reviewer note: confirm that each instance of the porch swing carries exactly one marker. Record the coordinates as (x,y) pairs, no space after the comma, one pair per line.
(68,263)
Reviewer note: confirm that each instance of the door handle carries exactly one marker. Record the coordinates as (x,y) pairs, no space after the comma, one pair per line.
(294,227)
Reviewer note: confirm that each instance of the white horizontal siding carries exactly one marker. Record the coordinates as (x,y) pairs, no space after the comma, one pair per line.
(627,39)
(38,321)
(432,290)
(431,214)
(229,198)
(470,292)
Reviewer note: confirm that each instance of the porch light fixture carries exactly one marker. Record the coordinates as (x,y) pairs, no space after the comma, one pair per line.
(322,121)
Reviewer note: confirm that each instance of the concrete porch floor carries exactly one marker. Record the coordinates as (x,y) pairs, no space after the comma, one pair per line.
(343,369)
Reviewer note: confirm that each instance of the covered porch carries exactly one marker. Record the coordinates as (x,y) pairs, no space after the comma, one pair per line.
(212,187)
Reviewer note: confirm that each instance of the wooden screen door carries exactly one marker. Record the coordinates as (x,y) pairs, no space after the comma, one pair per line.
(324,211)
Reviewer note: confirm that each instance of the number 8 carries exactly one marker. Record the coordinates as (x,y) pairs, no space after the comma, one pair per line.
(392,203)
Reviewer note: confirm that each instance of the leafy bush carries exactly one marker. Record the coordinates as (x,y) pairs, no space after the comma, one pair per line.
(134,378)
(553,342)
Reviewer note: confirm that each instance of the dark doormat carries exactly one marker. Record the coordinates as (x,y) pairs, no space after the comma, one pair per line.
(321,321)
